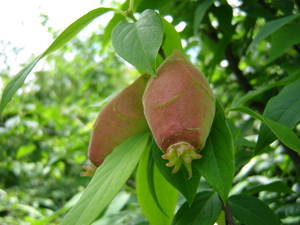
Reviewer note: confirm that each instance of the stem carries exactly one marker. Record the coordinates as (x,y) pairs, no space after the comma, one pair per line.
(131,4)
(228,215)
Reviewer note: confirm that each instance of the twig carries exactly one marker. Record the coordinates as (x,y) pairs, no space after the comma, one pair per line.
(228,215)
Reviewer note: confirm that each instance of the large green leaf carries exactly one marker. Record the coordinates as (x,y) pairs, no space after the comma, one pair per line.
(204,210)
(283,108)
(251,211)
(199,14)
(274,186)
(62,39)
(270,27)
(217,163)
(282,132)
(107,181)
(139,42)
(284,39)
(165,193)
(187,187)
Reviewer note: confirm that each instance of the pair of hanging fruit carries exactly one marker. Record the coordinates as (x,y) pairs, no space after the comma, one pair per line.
(178,106)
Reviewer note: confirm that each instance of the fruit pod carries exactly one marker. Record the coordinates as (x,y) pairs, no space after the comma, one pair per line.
(179,107)
(120,119)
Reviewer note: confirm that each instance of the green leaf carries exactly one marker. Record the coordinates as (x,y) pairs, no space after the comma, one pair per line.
(107,181)
(166,194)
(282,132)
(284,39)
(251,211)
(25,150)
(138,43)
(12,87)
(270,27)
(283,108)
(274,186)
(252,94)
(109,27)
(187,187)
(204,210)
(217,163)
(199,14)
(171,40)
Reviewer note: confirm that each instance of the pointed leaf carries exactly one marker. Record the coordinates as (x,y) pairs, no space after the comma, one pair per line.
(17,82)
(282,132)
(166,194)
(217,163)
(138,43)
(270,27)
(204,210)
(107,181)
(251,211)
(283,108)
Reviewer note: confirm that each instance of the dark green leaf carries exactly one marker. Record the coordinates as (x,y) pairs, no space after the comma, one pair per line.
(283,108)
(217,163)
(187,187)
(199,14)
(284,39)
(138,43)
(270,27)
(107,181)
(275,186)
(251,211)
(204,210)
(282,132)
(166,195)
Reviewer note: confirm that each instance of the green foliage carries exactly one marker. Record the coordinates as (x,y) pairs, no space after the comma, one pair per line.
(249,172)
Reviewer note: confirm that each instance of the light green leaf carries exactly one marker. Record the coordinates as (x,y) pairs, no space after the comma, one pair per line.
(199,14)
(217,164)
(204,210)
(166,194)
(283,108)
(251,211)
(25,150)
(12,87)
(138,43)
(270,27)
(282,132)
(107,181)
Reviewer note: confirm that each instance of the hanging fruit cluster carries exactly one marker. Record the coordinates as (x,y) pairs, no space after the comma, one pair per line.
(178,106)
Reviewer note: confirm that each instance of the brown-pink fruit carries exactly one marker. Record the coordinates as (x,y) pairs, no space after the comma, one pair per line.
(120,119)
(179,107)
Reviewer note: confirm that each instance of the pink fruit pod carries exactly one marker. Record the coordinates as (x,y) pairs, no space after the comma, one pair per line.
(179,106)
(120,119)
